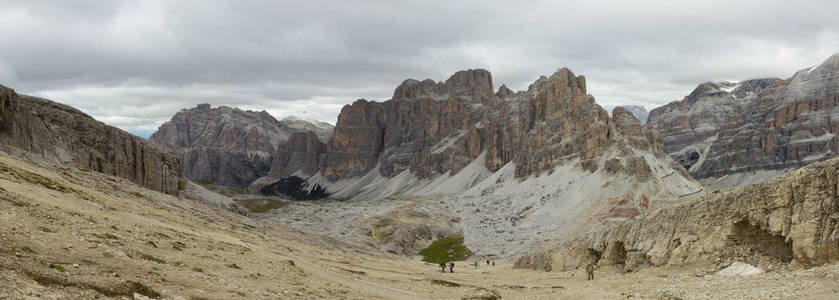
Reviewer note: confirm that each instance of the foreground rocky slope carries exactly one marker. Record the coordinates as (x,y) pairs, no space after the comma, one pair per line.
(64,135)
(793,218)
(733,134)
(232,147)
(69,233)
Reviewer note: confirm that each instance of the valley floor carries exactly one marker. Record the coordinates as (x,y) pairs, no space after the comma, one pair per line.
(74,234)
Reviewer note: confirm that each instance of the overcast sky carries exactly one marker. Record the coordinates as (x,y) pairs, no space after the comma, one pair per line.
(134,64)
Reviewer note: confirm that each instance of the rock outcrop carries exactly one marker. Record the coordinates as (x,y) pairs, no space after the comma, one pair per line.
(792,218)
(64,135)
(738,130)
(548,159)
(232,147)
(432,128)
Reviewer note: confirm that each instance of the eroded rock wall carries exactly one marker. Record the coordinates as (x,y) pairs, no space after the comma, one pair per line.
(790,218)
(65,135)
(727,128)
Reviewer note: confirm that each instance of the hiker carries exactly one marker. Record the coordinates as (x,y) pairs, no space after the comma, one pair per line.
(443,265)
(451,267)
(493,263)
(487,262)
(476,265)
(590,271)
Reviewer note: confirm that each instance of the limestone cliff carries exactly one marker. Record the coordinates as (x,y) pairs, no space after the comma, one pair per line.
(229,146)
(433,128)
(728,132)
(64,135)
(792,218)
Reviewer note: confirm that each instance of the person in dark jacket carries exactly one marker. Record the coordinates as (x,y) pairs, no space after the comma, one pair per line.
(590,271)
(451,267)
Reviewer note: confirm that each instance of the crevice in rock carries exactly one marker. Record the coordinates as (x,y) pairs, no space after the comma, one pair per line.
(618,253)
(761,240)
(593,256)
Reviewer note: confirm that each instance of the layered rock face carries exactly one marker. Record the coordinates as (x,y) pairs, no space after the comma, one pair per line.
(65,135)
(538,163)
(232,147)
(432,128)
(727,129)
(789,218)
(299,155)
(427,127)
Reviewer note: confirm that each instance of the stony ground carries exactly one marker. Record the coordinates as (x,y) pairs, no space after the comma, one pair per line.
(75,234)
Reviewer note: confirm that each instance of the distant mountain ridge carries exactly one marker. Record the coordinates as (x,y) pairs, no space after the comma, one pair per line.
(229,146)
(638,111)
(735,133)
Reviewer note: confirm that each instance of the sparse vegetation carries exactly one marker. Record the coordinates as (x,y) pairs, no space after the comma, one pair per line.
(106,236)
(108,254)
(197,269)
(58,267)
(445,250)
(178,246)
(233,266)
(152,258)
(144,290)
(261,205)
(47,229)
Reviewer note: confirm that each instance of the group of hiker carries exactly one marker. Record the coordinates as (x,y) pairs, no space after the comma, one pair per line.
(589,268)
(451,265)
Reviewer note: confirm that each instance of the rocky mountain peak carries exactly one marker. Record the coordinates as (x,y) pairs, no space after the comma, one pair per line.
(229,146)
(753,87)
(462,83)
(733,134)
(504,92)
(412,89)
(473,81)
(563,77)
(639,112)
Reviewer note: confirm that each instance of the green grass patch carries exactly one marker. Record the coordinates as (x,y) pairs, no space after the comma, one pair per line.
(445,250)
(58,267)
(261,205)
(144,290)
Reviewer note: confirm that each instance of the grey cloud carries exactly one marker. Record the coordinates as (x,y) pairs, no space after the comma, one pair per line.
(133,64)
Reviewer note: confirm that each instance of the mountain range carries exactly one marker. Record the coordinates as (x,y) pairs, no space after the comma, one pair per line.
(736,133)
